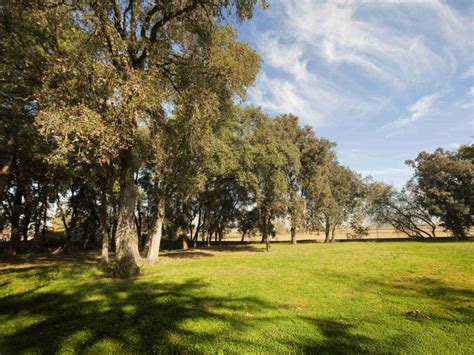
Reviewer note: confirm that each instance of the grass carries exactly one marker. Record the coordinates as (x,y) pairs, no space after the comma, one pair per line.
(414,297)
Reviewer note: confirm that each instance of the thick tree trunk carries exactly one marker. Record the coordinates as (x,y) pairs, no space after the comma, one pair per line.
(293,235)
(126,240)
(156,233)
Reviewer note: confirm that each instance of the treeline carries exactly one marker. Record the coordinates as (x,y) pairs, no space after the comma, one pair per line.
(124,118)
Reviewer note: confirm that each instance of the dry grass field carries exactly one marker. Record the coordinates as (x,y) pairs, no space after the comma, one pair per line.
(341,234)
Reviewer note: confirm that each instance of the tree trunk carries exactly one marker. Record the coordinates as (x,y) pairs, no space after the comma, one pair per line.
(6,164)
(156,233)
(126,242)
(266,236)
(67,229)
(15,222)
(209,236)
(293,235)
(327,229)
(220,233)
(45,219)
(196,233)
(28,212)
(333,233)
(243,235)
(104,226)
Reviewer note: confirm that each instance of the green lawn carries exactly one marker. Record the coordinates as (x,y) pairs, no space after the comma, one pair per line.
(346,297)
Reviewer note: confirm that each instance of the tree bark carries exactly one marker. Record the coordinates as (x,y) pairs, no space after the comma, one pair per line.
(6,165)
(327,229)
(196,232)
(67,228)
(293,235)
(15,222)
(156,233)
(209,236)
(333,233)
(126,242)
(243,236)
(104,226)
(266,236)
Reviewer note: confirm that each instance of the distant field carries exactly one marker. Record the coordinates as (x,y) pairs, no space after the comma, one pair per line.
(342,233)
(311,298)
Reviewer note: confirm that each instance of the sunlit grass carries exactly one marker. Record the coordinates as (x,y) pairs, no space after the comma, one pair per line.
(347,297)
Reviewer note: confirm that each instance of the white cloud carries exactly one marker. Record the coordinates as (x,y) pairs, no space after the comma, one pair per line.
(336,60)
(467,103)
(278,95)
(334,31)
(415,111)
(387,171)
(285,56)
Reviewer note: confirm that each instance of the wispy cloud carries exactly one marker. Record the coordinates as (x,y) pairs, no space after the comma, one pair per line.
(415,111)
(332,59)
(387,171)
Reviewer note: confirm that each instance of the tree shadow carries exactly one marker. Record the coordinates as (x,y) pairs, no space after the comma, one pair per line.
(339,338)
(185,254)
(39,259)
(451,299)
(141,317)
(236,247)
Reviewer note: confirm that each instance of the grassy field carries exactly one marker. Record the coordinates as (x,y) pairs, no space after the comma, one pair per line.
(397,297)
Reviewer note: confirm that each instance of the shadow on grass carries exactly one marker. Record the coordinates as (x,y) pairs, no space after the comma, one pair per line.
(139,317)
(338,338)
(149,316)
(457,301)
(47,259)
(210,251)
(192,254)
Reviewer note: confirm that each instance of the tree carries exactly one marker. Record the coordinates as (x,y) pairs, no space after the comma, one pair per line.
(403,210)
(133,60)
(446,180)
(341,193)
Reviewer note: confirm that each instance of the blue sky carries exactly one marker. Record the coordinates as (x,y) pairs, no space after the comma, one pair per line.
(383,79)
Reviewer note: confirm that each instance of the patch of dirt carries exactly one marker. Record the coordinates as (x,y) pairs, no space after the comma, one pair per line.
(417,314)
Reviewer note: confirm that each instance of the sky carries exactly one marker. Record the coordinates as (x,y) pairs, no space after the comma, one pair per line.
(384,79)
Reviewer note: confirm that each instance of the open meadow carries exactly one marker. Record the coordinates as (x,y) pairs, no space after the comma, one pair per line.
(358,297)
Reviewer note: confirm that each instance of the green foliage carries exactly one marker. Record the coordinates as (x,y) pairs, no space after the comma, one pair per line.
(446,181)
